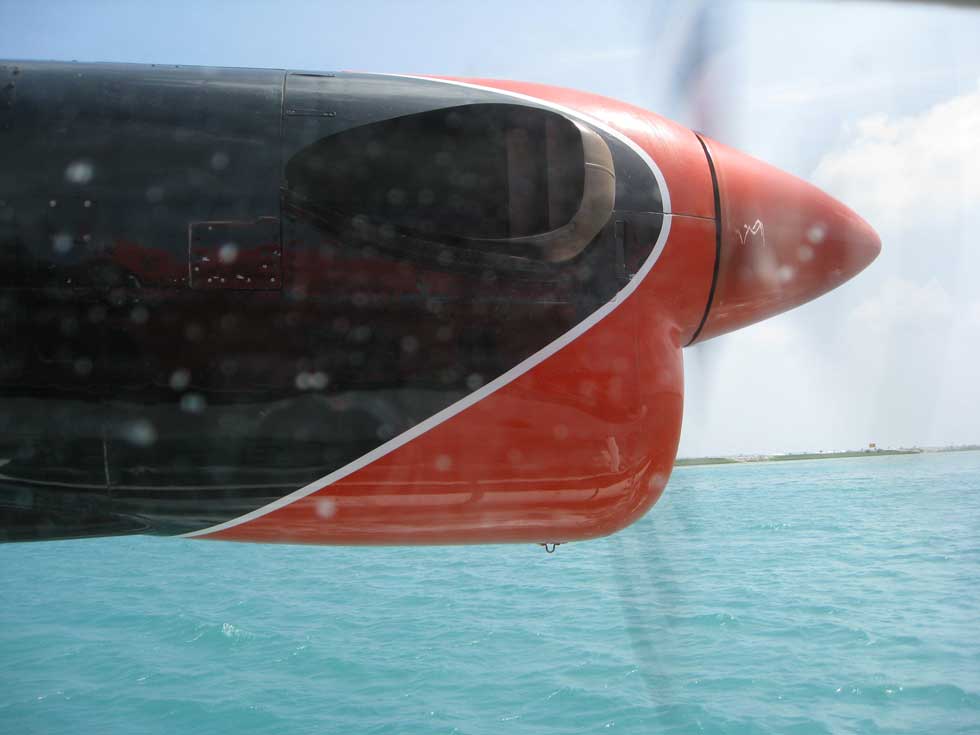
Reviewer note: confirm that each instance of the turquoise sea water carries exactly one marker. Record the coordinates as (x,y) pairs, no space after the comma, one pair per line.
(796,597)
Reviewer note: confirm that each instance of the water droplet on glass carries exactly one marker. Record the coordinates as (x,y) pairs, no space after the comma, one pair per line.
(79,172)
(62,243)
(228,253)
(140,432)
(816,233)
(180,379)
(193,403)
(410,344)
(325,507)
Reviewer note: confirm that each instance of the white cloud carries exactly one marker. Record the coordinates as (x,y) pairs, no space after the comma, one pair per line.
(973,314)
(771,333)
(898,171)
(903,303)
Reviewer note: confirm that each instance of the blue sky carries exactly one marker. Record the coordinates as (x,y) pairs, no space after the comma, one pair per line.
(877,103)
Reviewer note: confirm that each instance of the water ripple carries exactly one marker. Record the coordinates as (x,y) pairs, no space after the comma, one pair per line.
(821,597)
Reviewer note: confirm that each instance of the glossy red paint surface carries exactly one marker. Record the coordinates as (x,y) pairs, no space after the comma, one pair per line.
(784,242)
(580,445)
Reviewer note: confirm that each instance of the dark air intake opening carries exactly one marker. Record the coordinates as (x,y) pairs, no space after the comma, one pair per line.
(504,178)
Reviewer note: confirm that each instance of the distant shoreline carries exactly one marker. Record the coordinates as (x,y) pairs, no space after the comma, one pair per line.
(700,461)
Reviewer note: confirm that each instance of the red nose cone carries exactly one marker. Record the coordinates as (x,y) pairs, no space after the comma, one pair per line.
(783,242)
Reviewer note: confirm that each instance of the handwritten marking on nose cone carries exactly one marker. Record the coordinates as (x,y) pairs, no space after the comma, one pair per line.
(756,228)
